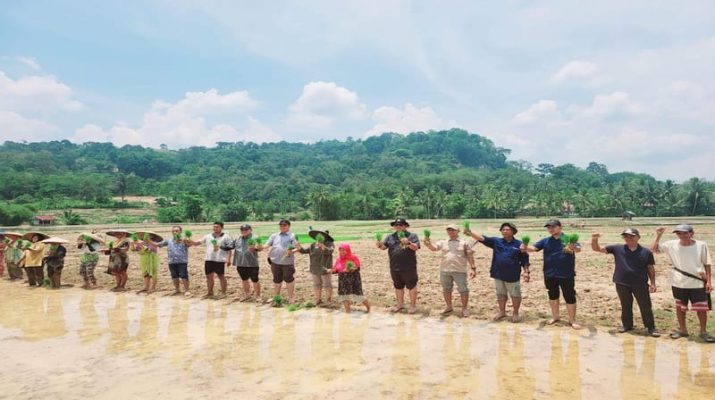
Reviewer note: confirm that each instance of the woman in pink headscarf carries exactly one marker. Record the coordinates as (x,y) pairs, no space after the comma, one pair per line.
(347,266)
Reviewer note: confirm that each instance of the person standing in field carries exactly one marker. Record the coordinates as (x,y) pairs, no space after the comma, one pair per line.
(321,260)
(690,278)
(178,257)
(34,257)
(559,271)
(218,244)
(90,245)
(148,250)
(55,262)
(347,266)
(508,261)
(13,256)
(634,266)
(282,247)
(402,247)
(456,255)
(245,258)
(118,258)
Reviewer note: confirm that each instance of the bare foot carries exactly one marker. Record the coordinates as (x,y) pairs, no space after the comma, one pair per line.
(397,308)
(552,321)
(447,311)
(498,317)
(465,313)
(207,296)
(412,310)
(367,308)
(575,325)
(516,318)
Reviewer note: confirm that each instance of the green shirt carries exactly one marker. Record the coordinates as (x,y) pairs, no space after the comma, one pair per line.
(320,260)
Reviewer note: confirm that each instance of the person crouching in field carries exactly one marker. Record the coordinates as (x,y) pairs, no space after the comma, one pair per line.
(634,266)
(321,260)
(88,260)
(347,266)
(456,255)
(178,256)
(148,259)
(506,268)
(691,277)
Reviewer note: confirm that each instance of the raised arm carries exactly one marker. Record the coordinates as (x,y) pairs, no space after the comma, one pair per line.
(655,248)
(594,243)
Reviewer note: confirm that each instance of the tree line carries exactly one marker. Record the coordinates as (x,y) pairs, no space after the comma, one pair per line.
(445,174)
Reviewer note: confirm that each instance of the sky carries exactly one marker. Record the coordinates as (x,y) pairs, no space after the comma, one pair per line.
(627,84)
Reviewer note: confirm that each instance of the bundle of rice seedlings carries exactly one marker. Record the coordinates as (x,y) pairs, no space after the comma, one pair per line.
(46,282)
(259,241)
(110,245)
(277,300)
(177,237)
(308,304)
(7,240)
(378,236)
(465,225)
(293,307)
(251,242)
(320,238)
(188,233)
(214,242)
(350,266)
(135,237)
(87,239)
(568,241)
(525,239)
(427,233)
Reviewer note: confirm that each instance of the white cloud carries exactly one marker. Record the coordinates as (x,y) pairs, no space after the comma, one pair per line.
(406,120)
(575,71)
(322,104)
(199,119)
(605,106)
(36,94)
(16,127)
(543,110)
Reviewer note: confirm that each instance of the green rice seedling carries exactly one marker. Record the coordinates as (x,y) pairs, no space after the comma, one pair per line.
(526,239)
(320,238)
(87,239)
(188,234)
(46,282)
(378,236)
(350,266)
(427,233)
(214,243)
(177,237)
(111,245)
(293,307)
(401,234)
(135,237)
(277,300)
(251,242)
(259,241)
(308,304)
(573,238)
(465,225)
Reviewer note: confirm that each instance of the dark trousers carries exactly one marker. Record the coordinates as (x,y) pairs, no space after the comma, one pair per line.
(35,276)
(642,295)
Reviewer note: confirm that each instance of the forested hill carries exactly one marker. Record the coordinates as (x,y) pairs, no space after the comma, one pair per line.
(437,174)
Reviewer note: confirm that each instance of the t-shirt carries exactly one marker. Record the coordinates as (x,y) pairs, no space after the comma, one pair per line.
(320,260)
(223,240)
(242,257)
(279,243)
(631,266)
(557,262)
(454,254)
(507,258)
(401,258)
(692,259)
(177,251)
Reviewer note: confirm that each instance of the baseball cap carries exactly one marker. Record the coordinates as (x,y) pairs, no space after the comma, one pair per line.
(552,222)
(683,228)
(452,227)
(399,221)
(284,222)
(244,227)
(631,232)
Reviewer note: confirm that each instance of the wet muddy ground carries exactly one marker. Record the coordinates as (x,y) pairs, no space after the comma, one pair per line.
(72,343)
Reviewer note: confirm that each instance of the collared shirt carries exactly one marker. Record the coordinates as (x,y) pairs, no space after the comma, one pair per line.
(177,251)
(401,257)
(455,253)
(279,243)
(507,258)
(557,262)
(217,255)
(320,260)
(691,259)
(631,266)
(242,256)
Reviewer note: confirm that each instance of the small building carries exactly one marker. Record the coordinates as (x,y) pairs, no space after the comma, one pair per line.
(44,220)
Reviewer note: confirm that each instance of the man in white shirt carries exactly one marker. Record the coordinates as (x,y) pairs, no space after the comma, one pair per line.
(691,277)
(218,244)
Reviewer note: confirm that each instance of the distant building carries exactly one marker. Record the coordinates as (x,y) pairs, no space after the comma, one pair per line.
(44,220)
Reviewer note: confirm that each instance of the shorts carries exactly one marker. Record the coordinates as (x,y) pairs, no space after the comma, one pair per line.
(179,271)
(697,297)
(282,273)
(404,278)
(324,281)
(214,267)
(448,279)
(567,286)
(247,273)
(511,289)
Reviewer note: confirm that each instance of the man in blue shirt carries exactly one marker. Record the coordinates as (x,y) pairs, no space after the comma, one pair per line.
(559,271)
(634,265)
(507,262)
(178,256)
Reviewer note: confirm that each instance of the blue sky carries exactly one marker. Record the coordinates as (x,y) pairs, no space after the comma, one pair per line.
(628,84)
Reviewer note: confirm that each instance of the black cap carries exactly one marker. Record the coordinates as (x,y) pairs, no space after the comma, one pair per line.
(552,222)
(631,232)
(244,227)
(399,221)
(683,228)
(284,222)
(510,225)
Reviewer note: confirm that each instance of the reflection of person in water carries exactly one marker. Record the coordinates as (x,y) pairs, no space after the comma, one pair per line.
(90,330)
(351,335)
(461,378)
(322,353)
(144,342)
(638,382)
(178,335)
(118,322)
(404,378)
(515,380)
(564,369)
(702,380)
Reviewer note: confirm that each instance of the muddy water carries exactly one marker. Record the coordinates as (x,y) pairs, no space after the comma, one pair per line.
(77,344)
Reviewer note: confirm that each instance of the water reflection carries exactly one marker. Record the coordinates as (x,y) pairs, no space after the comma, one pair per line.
(193,348)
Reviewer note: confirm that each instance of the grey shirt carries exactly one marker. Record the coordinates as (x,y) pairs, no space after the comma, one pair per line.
(279,243)
(242,257)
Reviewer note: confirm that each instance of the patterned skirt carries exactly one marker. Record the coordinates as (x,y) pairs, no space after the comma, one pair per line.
(350,287)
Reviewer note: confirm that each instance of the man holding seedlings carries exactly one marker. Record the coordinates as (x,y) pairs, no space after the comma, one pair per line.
(456,254)
(178,257)
(691,277)
(634,266)
(321,260)
(402,250)
(559,269)
(245,258)
(215,261)
(507,263)
(281,257)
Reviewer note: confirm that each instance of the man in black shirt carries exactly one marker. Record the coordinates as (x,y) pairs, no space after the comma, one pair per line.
(402,246)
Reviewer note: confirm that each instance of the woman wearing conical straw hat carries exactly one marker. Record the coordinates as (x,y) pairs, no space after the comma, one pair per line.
(89,243)
(55,260)
(118,258)
(34,257)
(13,255)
